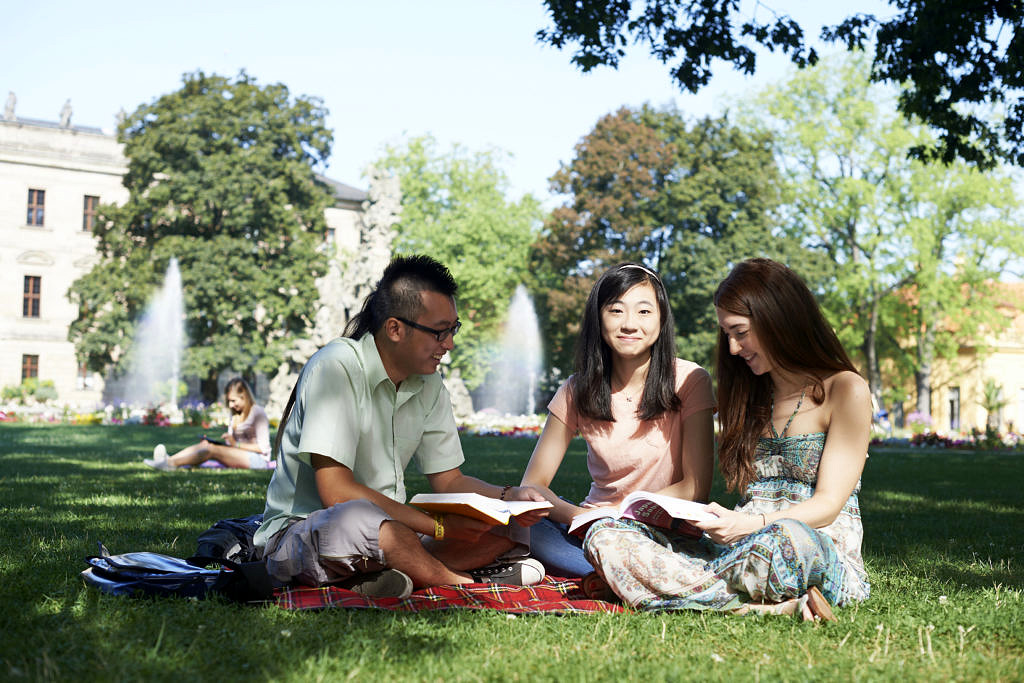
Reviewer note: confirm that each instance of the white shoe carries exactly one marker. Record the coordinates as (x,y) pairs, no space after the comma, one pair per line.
(159,453)
(162,465)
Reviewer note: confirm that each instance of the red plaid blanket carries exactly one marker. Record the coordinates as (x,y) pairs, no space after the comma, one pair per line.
(551,595)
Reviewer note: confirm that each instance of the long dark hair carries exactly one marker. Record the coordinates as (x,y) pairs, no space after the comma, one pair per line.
(792,332)
(592,381)
(398,293)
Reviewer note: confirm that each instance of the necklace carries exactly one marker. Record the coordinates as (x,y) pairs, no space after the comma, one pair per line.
(635,394)
(629,399)
(771,422)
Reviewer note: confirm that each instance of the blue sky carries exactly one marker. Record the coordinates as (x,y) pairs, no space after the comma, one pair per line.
(466,71)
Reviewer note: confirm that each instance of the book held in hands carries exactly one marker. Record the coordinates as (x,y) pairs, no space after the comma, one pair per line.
(655,509)
(490,510)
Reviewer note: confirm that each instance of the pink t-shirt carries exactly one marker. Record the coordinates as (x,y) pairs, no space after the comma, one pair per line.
(629,455)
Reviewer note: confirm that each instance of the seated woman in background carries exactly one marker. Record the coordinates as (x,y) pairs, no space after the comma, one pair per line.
(795,418)
(646,415)
(246,443)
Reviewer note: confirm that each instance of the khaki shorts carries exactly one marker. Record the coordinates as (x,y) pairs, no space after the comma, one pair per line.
(328,546)
(335,543)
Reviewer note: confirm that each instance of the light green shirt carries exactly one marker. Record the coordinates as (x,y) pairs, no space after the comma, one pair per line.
(347,409)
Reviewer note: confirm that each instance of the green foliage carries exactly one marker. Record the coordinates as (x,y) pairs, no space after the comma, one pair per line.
(885,229)
(221,176)
(946,578)
(644,186)
(955,60)
(958,60)
(455,208)
(30,388)
(993,401)
(695,32)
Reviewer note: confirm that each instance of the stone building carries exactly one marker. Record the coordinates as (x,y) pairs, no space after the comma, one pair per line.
(958,385)
(52,178)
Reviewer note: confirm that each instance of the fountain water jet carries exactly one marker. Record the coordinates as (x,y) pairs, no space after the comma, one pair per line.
(158,346)
(511,386)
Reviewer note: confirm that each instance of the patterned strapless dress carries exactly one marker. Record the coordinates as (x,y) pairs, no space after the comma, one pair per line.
(653,569)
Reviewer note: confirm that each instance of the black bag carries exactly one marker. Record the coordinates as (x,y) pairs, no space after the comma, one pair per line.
(228,539)
(148,574)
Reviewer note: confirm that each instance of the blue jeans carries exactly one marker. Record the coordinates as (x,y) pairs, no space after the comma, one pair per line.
(560,552)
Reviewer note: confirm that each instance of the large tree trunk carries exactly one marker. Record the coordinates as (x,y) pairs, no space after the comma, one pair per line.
(871,356)
(249,376)
(923,374)
(208,388)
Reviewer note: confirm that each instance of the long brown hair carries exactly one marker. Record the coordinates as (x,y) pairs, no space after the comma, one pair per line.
(792,332)
(239,384)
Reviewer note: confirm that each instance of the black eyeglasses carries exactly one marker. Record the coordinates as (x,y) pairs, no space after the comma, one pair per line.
(441,335)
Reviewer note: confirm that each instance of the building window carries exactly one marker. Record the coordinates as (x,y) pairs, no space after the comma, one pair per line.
(29,367)
(30,300)
(954,409)
(89,212)
(36,200)
(329,236)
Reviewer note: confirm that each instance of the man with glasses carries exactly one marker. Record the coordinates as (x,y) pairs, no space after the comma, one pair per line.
(364,405)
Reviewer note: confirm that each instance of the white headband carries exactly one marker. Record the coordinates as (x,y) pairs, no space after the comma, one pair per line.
(646,270)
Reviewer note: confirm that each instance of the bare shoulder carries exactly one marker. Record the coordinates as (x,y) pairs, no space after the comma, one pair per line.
(847,389)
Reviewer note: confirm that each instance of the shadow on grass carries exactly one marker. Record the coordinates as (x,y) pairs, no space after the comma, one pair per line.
(946,516)
(931,517)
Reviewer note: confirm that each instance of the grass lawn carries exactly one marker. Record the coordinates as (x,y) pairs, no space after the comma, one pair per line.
(944,546)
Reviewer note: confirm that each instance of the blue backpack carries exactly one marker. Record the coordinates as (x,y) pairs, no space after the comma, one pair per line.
(148,573)
(154,574)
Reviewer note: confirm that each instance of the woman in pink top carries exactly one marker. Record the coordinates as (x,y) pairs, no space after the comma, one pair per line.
(645,414)
(246,443)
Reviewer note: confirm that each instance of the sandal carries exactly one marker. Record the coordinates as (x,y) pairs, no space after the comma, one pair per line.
(595,588)
(818,605)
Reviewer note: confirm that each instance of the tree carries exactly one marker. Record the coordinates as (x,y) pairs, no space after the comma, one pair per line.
(455,208)
(644,186)
(961,230)
(842,149)
(221,176)
(889,226)
(993,402)
(957,58)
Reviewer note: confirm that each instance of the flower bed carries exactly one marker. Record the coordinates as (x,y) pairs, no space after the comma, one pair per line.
(194,414)
(491,424)
(976,440)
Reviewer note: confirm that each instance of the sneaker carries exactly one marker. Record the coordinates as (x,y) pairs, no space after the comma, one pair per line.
(519,573)
(389,583)
(161,465)
(160,452)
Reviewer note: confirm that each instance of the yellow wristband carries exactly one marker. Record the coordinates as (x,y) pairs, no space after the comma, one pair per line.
(438,527)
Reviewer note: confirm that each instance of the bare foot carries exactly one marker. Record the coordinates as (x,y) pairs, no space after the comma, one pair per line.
(595,588)
(786,608)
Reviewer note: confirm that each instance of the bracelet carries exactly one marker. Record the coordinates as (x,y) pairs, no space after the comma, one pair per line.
(438,526)
(504,490)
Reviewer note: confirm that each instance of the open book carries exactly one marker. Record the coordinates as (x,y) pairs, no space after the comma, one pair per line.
(490,510)
(650,508)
